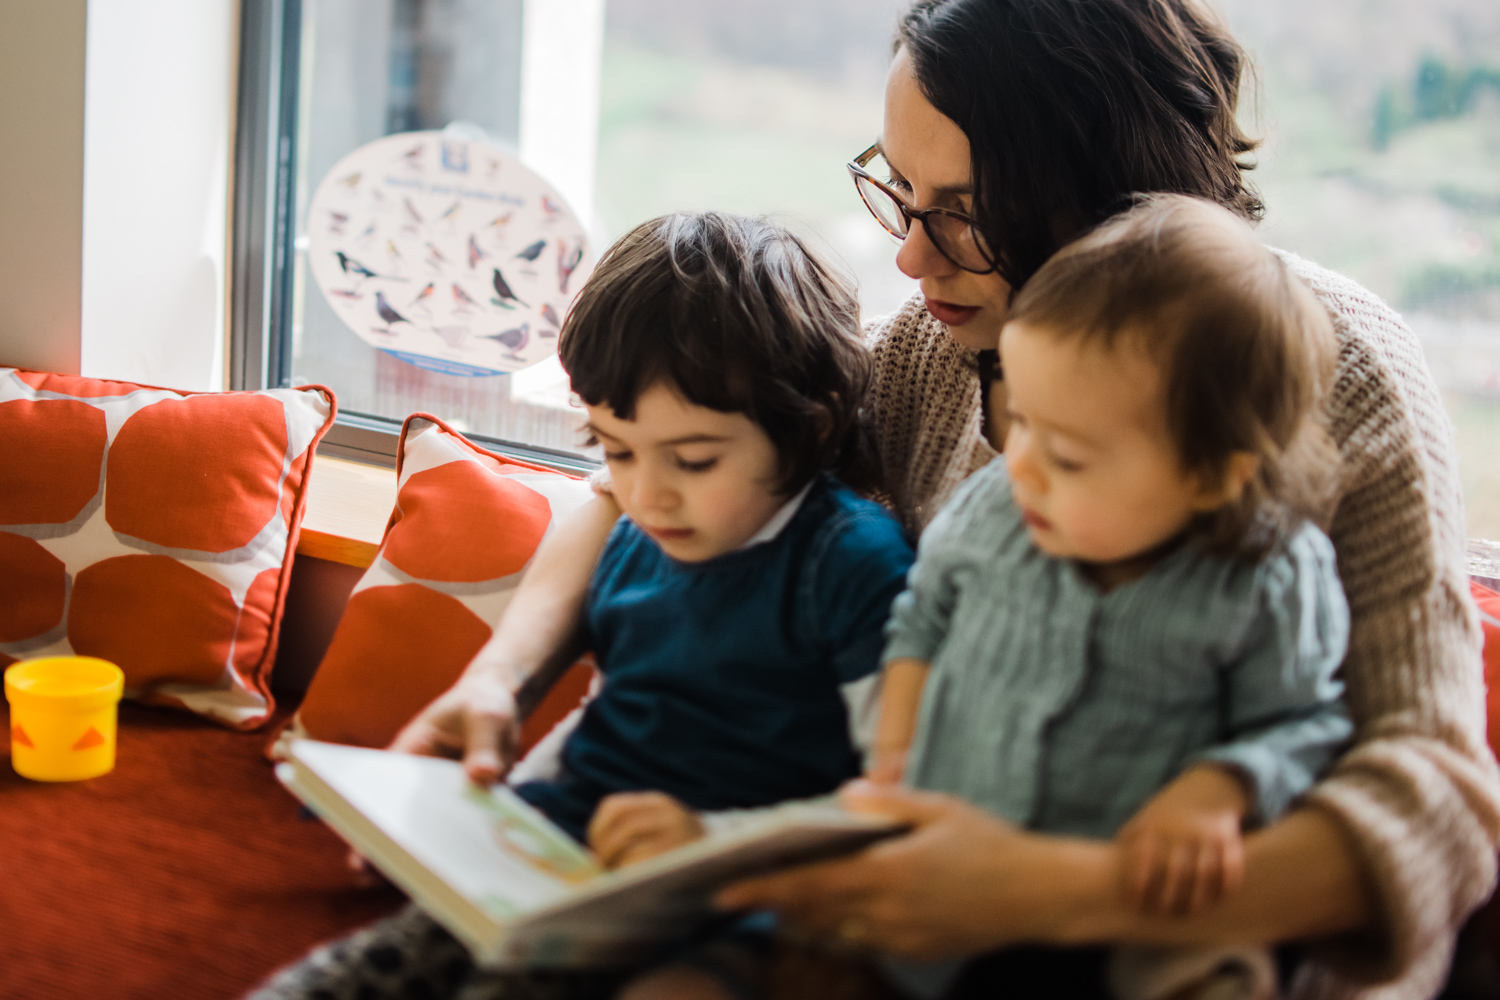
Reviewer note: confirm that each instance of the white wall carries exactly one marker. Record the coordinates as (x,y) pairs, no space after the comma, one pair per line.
(41,181)
(158,135)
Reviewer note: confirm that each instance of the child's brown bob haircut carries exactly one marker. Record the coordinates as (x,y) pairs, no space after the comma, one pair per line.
(1245,350)
(737,315)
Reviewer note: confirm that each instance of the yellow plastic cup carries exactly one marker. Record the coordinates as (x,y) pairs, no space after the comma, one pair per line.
(64,712)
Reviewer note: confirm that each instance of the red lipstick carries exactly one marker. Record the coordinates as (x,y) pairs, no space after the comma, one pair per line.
(952,315)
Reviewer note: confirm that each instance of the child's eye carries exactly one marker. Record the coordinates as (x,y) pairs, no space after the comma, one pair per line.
(702,466)
(1064,464)
(616,456)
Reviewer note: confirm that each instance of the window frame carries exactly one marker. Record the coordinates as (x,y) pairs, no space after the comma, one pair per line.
(263,231)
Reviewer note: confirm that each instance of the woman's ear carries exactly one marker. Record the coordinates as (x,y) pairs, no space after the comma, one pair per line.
(1239,469)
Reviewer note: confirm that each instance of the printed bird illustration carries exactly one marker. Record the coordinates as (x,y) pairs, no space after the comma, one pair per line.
(499,222)
(413,156)
(337,221)
(461,300)
(346,293)
(453,336)
(435,257)
(567,263)
(450,212)
(512,340)
(351,181)
(550,209)
(355,269)
(550,315)
(391,250)
(387,314)
(504,296)
(369,231)
(492,169)
(424,295)
(533,251)
(475,254)
(352,267)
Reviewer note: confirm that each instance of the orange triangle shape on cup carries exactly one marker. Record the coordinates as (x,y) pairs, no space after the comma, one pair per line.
(19,737)
(89,740)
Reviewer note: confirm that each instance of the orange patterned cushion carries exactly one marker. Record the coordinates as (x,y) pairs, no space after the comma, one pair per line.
(155,529)
(466,523)
(1489,620)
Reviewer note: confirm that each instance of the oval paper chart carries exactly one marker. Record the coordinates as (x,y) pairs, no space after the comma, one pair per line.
(446,252)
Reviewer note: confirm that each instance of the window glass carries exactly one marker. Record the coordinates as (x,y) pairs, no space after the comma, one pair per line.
(1382,160)
(375,67)
(703,104)
(1381,129)
(753,108)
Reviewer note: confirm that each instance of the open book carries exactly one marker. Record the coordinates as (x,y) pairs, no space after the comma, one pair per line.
(517,890)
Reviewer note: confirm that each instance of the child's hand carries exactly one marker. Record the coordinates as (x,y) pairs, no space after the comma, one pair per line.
(888,767)
(901,684)
(366,875)
(1183,850)
(633,826)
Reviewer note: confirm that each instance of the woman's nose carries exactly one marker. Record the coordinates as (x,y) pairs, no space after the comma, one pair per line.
(919,257)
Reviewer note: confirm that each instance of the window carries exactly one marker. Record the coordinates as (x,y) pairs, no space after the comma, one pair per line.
(750,108)
(1382,134)
(1382,161)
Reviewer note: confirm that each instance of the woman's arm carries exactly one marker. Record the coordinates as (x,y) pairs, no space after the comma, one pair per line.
(477,718)
(963,882)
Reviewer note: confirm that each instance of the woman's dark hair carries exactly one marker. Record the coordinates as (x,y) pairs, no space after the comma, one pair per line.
(1245,351)
(1072,106)
(736,314)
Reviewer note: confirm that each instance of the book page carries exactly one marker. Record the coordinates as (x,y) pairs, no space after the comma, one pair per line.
(488,845)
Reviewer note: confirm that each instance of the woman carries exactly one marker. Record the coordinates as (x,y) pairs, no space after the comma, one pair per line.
(1009,128)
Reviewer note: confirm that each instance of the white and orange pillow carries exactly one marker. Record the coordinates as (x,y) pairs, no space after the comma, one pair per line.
(466,523)
(154,529)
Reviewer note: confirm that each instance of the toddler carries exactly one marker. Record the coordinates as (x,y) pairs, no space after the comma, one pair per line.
(1130,627)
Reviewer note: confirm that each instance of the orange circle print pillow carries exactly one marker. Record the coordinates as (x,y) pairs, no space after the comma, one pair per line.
(154,529)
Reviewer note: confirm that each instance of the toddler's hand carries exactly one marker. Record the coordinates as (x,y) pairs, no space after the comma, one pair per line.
(633,826)
(1183,851)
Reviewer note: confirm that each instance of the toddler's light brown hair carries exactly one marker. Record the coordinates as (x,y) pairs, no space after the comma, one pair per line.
(1245,350)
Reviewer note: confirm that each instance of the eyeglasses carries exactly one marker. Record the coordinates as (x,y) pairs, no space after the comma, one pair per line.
(953,233)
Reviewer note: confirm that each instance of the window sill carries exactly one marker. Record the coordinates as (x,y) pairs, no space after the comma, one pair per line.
(348,505)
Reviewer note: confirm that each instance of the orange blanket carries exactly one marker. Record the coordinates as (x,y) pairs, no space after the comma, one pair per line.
(186,873)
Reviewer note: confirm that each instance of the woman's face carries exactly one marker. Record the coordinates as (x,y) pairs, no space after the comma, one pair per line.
(929,159)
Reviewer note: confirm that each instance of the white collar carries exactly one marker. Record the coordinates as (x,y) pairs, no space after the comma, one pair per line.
(780,519)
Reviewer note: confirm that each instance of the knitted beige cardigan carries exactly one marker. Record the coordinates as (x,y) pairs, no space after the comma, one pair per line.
(1419,792)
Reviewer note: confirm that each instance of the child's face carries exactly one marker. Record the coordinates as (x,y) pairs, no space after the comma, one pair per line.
(1092,464)
(698,481)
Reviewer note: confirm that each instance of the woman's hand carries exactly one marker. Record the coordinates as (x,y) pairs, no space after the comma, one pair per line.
(960,882)
(633,826)
(963,882)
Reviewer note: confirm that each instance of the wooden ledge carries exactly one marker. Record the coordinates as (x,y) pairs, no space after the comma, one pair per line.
(348,505)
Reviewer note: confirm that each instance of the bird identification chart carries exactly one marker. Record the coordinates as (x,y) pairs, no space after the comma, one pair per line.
(446,252)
